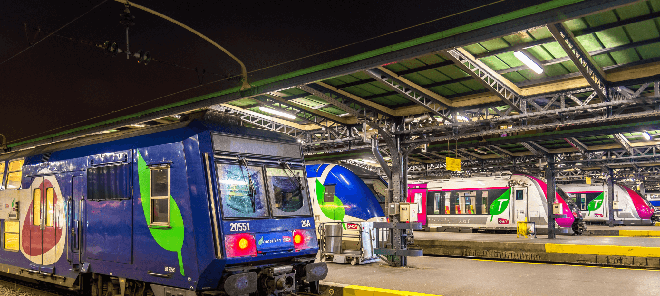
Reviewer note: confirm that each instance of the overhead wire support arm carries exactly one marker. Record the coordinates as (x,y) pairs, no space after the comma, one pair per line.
(245,85)
(581,58)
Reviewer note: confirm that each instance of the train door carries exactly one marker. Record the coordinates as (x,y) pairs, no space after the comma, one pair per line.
(74,218)
(520,203)
(41,218)
(417,198)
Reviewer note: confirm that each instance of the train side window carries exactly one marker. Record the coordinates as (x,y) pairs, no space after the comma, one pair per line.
(160,195)
(36,207)
(14,174)
(519,195)
(50,211)
(2,175)
(437,203)
(11,235)
(110,182)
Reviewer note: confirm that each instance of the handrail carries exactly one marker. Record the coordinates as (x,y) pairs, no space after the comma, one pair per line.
(245,86)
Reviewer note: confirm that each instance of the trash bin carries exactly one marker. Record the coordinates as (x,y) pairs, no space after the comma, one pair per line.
(333,236)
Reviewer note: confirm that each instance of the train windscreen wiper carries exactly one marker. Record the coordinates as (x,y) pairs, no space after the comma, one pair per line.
(292,177)
(252,191)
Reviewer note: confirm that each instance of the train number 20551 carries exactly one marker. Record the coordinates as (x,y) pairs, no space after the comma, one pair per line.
(239,226)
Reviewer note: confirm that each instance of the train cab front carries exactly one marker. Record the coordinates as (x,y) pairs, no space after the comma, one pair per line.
(268,236)
(271,256)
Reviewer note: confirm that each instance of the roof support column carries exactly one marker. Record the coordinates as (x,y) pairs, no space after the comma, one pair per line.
(397,192)
(551,193)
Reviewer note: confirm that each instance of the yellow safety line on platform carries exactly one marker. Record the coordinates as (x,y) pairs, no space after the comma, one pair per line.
(573,265)
(644,233)
(353,290)
(603,250)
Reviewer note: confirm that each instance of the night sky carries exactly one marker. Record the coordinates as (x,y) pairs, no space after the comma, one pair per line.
(61,83)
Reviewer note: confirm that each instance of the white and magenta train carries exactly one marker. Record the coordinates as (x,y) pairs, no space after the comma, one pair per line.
(495,203)
(630,207)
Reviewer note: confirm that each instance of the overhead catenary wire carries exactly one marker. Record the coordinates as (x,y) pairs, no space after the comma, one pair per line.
(62,27)
(243,68)
(227,78)
(116,111)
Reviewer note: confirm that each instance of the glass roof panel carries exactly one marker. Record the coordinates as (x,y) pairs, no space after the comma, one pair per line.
(633,10)
(613,37)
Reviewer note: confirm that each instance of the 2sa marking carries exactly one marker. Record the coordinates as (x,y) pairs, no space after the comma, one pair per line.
(306,223)
(239,226)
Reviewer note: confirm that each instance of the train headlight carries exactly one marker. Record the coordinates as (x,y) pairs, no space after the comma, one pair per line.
(240,245)
(297,239)
(304,239)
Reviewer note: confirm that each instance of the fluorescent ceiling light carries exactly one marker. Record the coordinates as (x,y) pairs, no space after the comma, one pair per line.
(528,62)
(280,113)
(646,135)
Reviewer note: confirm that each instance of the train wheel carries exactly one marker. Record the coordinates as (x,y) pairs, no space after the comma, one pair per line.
(354,261)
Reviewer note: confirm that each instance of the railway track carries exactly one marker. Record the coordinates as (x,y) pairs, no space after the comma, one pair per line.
(15,287)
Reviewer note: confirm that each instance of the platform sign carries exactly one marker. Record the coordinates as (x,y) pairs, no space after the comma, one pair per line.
(588,180)
(453,164)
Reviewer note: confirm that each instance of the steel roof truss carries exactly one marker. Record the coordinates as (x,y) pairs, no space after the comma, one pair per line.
(585,64)
(415,95)
(621,139)
(337,103)
(498,148)
(488,79)
(265,123)
(301,113)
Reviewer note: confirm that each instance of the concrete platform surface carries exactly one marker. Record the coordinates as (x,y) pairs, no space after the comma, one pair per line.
(541,239)
(607,251)
(461,276)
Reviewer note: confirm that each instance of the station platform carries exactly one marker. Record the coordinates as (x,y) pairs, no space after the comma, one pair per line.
(592,230)
(449,276)
(626,251)
(603,230)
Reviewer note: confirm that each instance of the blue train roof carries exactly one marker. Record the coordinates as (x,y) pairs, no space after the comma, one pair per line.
(126,140)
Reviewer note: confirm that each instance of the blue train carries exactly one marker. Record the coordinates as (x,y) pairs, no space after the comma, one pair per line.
(199,207)
(345,193)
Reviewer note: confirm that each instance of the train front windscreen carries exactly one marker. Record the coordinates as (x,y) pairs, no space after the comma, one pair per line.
(379,188)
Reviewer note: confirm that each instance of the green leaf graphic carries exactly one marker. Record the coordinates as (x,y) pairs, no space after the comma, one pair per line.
(595,204)
(500,204)
(170,239)
(333,210)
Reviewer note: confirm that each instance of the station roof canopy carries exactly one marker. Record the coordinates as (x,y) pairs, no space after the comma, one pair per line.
(467,92)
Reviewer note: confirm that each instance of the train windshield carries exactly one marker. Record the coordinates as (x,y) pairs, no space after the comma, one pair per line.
(287,192)
(565,196)
(242,191)
(378,188)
